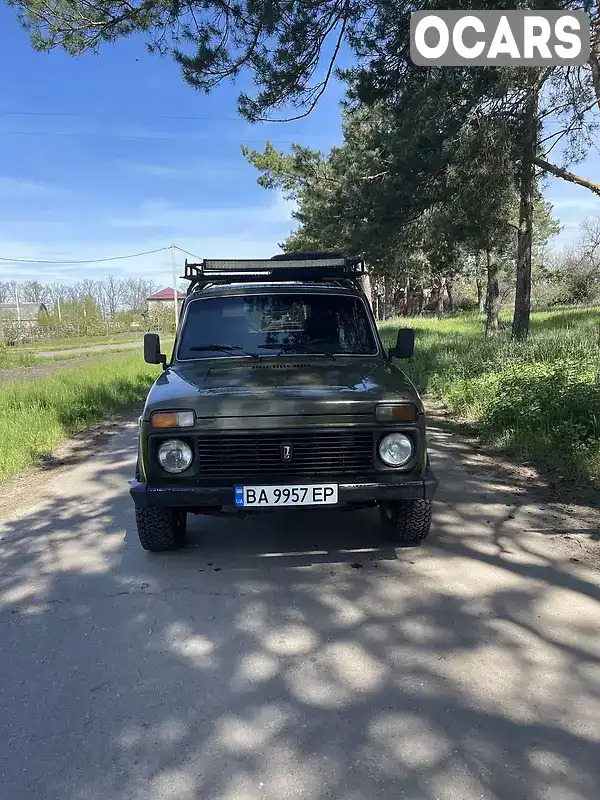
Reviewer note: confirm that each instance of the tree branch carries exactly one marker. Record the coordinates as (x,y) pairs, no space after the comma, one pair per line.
(322,87)
(560,172)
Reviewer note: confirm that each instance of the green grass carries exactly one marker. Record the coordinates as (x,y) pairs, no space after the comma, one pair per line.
(35,416)
(9,358)
(538,399)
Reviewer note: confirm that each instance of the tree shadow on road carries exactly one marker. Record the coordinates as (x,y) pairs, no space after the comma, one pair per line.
(263,662)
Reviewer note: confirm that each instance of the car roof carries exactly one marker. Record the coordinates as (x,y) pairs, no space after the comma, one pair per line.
(279,287)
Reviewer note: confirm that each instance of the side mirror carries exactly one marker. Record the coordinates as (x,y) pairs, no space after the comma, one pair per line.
(405,344)
(152,354)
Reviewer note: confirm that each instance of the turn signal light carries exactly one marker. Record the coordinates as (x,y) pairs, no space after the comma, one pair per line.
(397,413)
(173,419)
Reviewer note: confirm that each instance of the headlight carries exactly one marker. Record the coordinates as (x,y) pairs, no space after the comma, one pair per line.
(395,449)
(174,455)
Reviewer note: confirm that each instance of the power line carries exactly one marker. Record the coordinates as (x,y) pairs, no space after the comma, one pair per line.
(167,138)
(120,114)
(187,252)
(170,137)
(86,261)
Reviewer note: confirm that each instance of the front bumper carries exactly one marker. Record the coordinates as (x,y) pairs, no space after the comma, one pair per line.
(397,487)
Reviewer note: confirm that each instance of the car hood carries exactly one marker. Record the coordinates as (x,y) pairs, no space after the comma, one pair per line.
(275,388)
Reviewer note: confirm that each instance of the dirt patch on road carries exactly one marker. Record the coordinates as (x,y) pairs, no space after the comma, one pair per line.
(38,371)
(567,510)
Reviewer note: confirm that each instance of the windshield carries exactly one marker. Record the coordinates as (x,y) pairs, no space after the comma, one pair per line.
(276,324)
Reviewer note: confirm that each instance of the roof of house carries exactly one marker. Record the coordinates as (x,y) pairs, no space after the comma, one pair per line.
(165,294)
(26,311)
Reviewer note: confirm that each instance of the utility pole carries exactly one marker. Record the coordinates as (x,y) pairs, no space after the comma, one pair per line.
(18,306)
(175,292)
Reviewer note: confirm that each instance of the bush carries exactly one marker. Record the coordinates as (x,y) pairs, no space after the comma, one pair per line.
(466,303)
(539,399)
(548,413)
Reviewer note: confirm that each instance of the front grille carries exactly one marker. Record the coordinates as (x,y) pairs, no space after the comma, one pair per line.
(314,454)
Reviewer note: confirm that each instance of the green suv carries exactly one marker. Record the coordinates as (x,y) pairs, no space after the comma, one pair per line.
(279,394)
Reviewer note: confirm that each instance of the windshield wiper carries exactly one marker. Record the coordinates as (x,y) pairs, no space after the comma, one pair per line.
(230,349)
(297,348)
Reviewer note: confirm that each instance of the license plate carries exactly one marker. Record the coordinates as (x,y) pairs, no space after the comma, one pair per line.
(266,496)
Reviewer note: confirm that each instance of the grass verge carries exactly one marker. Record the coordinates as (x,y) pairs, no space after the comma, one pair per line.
(10,358)
(36,416)
(538,399)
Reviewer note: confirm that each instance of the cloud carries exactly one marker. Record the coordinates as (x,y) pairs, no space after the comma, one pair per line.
(186,171)
(251,232)
(11,187)
(581,205)
(157,170)
(163,215)
(156,266)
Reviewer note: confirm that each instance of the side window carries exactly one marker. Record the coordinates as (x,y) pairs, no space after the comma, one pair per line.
(354,329)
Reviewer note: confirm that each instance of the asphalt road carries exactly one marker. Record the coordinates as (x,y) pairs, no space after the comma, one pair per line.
(299,655)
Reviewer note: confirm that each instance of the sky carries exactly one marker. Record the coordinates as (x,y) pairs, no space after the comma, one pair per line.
(110,154)
(97,162)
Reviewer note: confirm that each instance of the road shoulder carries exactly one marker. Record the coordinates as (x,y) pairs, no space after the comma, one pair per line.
(25,490)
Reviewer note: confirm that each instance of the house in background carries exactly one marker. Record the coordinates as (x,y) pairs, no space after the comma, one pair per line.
(20,321)
(26,313)
(161,302)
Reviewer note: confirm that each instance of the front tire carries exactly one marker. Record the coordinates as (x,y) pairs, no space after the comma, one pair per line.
(406,522)
(161,529)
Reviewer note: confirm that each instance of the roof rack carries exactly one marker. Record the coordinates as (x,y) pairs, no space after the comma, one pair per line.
(312,267)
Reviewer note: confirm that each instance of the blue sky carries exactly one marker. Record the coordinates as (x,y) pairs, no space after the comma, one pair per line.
(93,167)
(74,187)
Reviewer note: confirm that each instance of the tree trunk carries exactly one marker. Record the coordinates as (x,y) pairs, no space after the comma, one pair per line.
(492,300)
(480,295)
(388,299)
(479,275)
(440,300)
(365,285)
(449,290)
(520,327)
(566,175)
(407,293)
